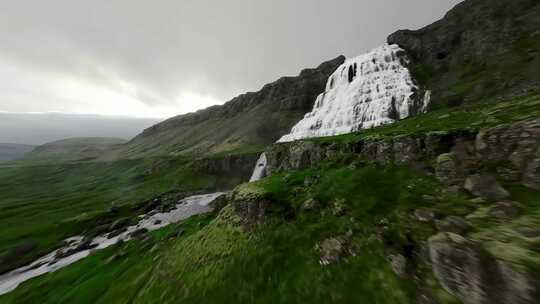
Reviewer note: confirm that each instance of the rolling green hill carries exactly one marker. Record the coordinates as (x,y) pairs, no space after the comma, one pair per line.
(13,151)
(75,149)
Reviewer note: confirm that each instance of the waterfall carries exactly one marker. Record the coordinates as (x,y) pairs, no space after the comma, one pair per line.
(370,90)
(259,172)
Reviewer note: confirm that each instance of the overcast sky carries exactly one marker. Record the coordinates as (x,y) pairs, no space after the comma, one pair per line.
(166,57)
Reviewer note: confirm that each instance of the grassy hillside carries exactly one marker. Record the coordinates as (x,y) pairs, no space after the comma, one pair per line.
(364,217)
(74,149)
(10,152)
(217,260)
(275,263)
(41,205)
(347,229)
(248,121)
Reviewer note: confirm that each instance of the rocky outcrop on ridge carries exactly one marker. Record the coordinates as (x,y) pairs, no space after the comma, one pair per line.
(481,48)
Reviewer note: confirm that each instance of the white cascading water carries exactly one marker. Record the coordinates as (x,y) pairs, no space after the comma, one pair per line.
(260,169)
(370,90)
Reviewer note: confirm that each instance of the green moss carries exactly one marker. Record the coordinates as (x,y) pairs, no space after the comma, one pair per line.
(518,256)
(422,73)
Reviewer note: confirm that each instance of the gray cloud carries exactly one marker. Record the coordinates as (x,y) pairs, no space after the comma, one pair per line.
(154,51)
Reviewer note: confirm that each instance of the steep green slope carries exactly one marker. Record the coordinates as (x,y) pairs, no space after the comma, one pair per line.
(250,120)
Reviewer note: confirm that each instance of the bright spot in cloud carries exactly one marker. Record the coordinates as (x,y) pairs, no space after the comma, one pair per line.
(63,93)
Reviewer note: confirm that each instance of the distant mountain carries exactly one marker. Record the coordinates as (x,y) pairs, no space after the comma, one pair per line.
(38,129)
(75,149)
(13,151)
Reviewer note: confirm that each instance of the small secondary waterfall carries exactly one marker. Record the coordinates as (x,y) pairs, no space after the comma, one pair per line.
(259,172)
(370,90)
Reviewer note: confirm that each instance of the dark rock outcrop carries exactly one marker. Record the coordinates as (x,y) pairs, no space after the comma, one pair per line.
(481,48)
(454,224)
(515,148)
(249,204)
(335,249)
(229,170)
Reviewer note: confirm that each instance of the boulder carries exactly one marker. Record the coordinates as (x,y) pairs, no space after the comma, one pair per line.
(398,263)
(505,210)
(485,186)
(331,250)
(116,233)
(454,224)
(469,272)
(424,215)
(120,223)
(338,207)
(445,168)
(138,232)
(531,176)
(311,204)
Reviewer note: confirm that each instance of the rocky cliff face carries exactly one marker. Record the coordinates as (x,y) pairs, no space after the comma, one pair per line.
(481,48)
(251,119)
(511,150)
(229,170)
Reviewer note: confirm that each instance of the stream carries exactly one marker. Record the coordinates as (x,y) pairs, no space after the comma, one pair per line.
(78,247)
